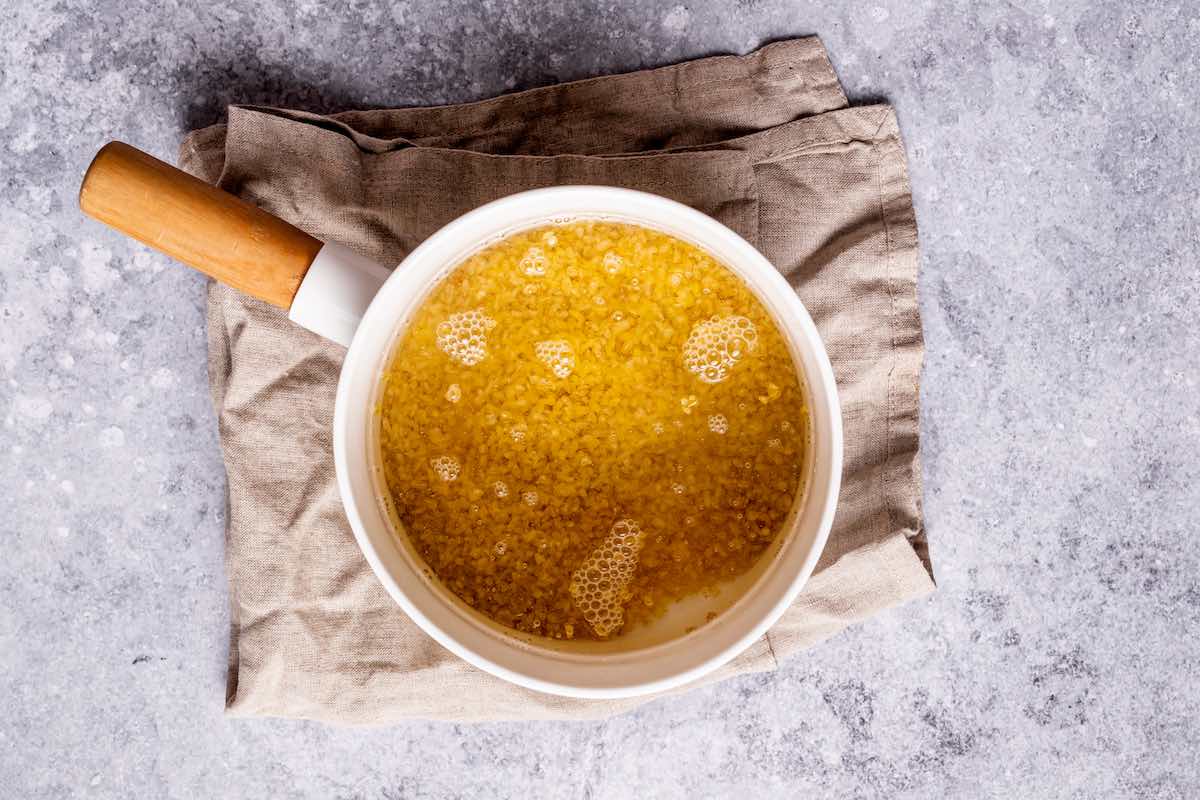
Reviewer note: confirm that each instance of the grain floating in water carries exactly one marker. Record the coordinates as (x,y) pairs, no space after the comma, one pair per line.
(623,428)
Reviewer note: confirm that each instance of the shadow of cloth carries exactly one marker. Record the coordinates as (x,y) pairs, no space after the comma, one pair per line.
(210,86)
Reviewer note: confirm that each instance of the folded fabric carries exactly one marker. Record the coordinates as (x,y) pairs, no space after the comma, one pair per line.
(765,143)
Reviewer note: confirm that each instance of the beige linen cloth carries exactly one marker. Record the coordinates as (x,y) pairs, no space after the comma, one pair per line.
(765,143)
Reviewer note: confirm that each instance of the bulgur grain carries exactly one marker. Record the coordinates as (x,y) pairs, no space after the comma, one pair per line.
(576,355)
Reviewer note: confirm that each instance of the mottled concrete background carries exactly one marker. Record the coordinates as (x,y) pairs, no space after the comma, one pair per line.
(1054,163)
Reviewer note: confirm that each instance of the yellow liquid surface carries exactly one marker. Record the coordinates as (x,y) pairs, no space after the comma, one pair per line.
(585,422)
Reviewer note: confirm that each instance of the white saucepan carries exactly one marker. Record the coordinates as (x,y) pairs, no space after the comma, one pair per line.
(329,289)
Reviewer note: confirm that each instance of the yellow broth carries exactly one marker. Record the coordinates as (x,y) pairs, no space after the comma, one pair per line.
(585,422)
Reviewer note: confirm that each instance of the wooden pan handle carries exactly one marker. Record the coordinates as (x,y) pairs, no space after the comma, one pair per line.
(208,229)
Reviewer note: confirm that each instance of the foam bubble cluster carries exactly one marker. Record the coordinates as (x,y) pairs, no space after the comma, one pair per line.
(716,345)
(600,587)
(717,423)
(501,489)
(535,262)
(446,467)
(557,355)
(463,336)
(530,498)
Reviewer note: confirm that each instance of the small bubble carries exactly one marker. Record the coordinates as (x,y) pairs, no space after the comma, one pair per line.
(678,488)
(689,521)
(530,288)
(617,316)
(773,443)
(598,300)
(454,393)
(785,426)
(676,279)
(446,467)
(706,290)
(550,238)
(501,547)
(463,336)
(613,263)
(557,355)
(517,434)
(634,284)
(658,428)
(534,262)
(715,346)
(688,403)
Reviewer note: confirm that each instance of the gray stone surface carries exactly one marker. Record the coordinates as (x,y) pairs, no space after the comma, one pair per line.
(1054,163)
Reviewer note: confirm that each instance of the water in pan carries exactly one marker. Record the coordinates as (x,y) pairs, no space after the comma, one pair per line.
(624,427)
